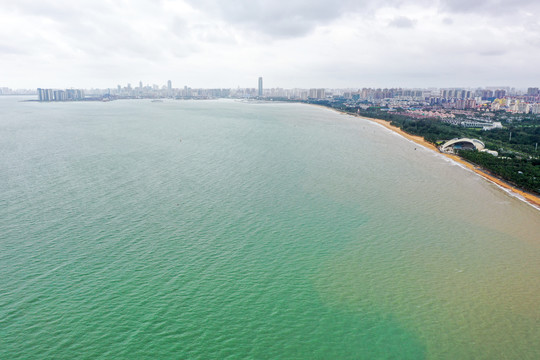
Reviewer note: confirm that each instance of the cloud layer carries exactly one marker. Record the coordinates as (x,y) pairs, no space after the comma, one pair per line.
(297,43)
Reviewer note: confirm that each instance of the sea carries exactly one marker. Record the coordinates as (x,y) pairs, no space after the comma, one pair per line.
(225,229)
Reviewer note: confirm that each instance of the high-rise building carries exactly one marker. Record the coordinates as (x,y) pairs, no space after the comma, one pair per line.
(260,87)
(444,94)
(45,94)
(169,85)
(499,94)
(60,95)
(532,91)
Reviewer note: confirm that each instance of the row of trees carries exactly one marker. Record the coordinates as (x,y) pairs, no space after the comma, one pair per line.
(517,137)
(519,163)
(524,173)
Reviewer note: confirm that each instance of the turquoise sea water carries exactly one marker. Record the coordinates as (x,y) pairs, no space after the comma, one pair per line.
(230,230)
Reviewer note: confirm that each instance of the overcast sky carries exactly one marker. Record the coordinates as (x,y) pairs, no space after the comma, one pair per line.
(292,43)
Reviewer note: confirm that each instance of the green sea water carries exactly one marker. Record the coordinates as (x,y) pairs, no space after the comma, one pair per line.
(233,230)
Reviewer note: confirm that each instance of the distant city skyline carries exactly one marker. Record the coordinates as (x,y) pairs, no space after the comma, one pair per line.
(168,85)
(169,90)
(301,43)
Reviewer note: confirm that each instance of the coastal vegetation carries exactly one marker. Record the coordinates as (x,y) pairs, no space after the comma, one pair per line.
(524,173)
(517,142)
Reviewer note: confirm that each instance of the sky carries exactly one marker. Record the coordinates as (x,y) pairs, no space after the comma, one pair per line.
(291,44)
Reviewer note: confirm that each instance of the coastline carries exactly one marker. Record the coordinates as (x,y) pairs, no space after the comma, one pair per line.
(532,199)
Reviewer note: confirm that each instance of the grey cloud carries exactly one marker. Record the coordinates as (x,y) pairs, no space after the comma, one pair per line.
(293,19)
(532,26)
(110,39)
(6,49)
(103,28)
(402,22)
(494,52)
(299,17)
(58,11)
(212,33)
(488,7)
(178,26)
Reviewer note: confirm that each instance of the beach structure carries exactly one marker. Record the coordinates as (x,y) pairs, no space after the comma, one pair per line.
(462,144)
(450,147)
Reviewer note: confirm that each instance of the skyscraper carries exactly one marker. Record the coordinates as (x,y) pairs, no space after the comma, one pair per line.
(533,91)
(169,85)
(260,87)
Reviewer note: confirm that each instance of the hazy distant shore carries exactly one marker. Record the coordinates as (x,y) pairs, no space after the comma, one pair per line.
(528,197)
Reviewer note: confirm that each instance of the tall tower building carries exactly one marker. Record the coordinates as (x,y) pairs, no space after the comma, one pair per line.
(260,87)
(169,85)
(533,91)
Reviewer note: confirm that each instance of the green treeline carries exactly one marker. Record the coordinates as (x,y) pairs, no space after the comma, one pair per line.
(524,173)
(516,142)
(523,138)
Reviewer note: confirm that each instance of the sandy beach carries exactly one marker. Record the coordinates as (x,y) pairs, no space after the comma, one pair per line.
(530,198)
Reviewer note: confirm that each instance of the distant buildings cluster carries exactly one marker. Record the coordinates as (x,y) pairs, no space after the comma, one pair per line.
(417,102)
(516,105)
(8,91)
(60,95)
(498,99)
(165,91)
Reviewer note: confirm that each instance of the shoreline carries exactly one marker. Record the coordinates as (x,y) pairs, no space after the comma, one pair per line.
(531,199)
(528,197)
